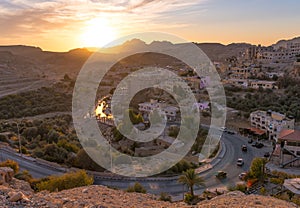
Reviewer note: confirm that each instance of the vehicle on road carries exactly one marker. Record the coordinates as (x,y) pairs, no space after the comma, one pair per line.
(230,132)
(250,141)
(221,174)
(244,148)
(258,145)
(240,162)
(267,154)
(242,176)
(224,129)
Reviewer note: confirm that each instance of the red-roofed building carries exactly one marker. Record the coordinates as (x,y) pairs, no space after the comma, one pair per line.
(289,143)
(291,139)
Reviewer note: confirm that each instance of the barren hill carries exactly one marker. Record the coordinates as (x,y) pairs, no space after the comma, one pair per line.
(18,194)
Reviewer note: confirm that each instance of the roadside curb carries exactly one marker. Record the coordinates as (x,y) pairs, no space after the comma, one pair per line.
(214,161)
(219,155)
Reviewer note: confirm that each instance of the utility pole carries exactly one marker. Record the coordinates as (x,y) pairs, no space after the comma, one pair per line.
(20,145)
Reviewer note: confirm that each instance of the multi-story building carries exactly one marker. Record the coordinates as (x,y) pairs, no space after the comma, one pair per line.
(146,108)
(243,72)
(255,84)
(280,53)
(263,84)
(271,122)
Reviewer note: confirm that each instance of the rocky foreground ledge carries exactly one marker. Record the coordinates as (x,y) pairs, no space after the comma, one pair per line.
(19,194)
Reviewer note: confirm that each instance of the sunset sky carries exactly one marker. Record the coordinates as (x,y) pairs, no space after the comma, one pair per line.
(61,25)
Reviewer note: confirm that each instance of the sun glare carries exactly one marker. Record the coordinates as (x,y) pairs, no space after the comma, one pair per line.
(98,33)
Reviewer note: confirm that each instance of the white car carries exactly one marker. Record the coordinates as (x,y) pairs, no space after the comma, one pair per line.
(242,176)
(223,129)
(240,162)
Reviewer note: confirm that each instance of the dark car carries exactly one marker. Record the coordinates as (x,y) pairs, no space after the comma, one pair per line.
(244,148)
(221,174)
(250,141)
(230,132)
(267,154)
(254,144)
(260,145)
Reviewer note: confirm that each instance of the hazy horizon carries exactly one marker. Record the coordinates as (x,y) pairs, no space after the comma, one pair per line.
(92,49)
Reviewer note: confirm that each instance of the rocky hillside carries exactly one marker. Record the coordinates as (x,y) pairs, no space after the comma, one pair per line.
(18,194)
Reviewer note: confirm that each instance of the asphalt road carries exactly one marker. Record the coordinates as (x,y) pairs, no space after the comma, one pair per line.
(36,169)
(227,163)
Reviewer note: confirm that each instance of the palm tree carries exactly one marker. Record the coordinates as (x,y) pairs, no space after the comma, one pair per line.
(191,179)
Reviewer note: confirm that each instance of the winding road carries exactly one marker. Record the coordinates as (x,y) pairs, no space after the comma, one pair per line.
(225,161)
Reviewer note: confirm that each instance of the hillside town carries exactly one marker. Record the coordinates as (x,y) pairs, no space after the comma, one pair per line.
(146,103)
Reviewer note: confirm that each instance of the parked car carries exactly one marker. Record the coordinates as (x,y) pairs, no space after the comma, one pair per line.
(221,174)
(267,154)
(242,175)
(258,145)
(230,132)
(250,141)
(254,144)
(244,148)
(240,162)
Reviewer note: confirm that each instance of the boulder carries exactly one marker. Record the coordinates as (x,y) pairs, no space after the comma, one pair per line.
(15,196)
(6,175)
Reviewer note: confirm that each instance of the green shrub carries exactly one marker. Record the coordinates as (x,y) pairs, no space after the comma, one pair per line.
(12,164)
(24,175)
(241,187)
(137,187)
(66,181)
(24,150)
(238,187)
(277,180)
(165,197)
(263,191)
(189,198)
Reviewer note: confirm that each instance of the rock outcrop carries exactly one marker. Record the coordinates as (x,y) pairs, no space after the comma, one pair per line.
(6,175)
(101,196)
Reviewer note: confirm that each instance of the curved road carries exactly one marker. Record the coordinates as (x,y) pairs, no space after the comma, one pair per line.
(225,161)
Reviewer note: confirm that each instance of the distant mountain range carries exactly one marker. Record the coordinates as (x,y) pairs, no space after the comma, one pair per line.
(55,64)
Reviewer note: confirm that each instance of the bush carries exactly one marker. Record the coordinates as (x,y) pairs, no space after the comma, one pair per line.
(24,150)
(12,164)
(137,187)
(263,191)
(277,180)
(239,187)
(189,198)
(66,181)
(165,197)
(24,175)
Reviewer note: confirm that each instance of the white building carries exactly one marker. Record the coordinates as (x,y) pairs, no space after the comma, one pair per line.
(146,108)
(271,122)
(262,83)
(255,84)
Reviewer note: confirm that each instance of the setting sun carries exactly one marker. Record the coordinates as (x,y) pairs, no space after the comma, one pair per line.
(98,33)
